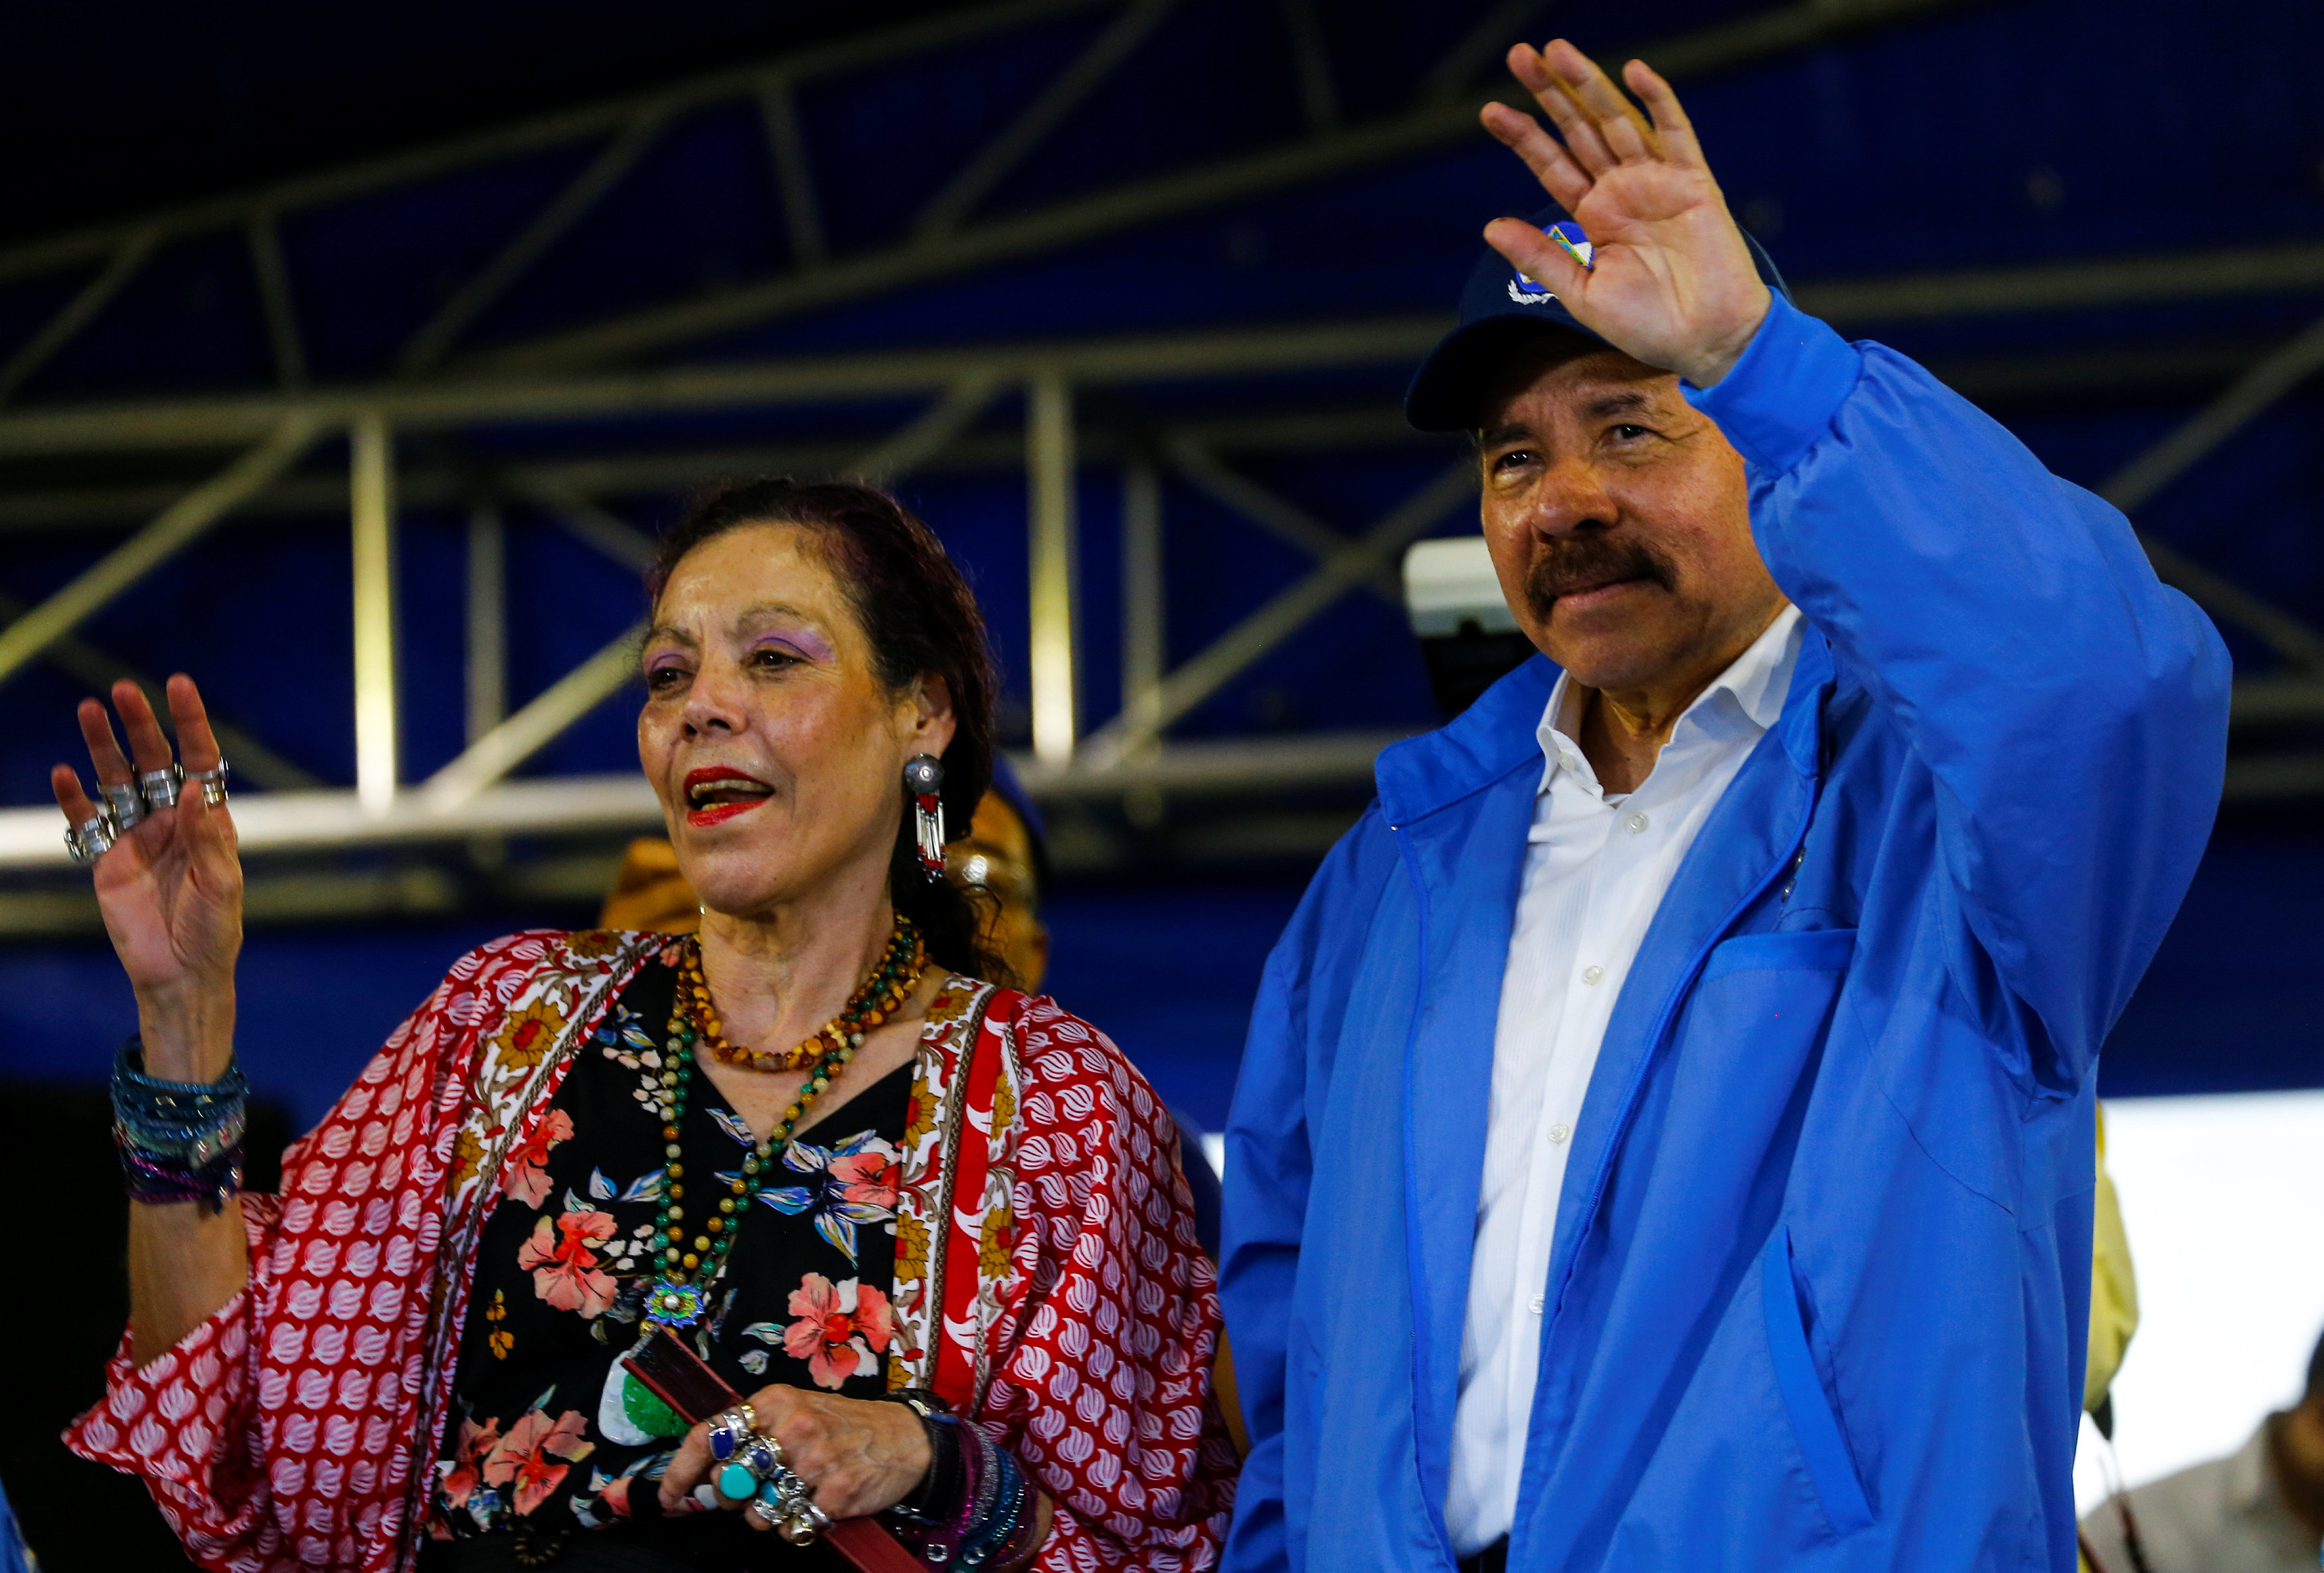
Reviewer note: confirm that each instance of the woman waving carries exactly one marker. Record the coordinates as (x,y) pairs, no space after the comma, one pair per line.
(933,1228)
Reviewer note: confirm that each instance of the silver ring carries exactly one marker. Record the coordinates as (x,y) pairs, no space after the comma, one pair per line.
(732,1427)
(161,787)
(92,841)
(786,1493)
(125,802)
(767,1515)
(212,782)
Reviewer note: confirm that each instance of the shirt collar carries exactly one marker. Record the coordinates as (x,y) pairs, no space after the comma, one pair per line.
(1752,688)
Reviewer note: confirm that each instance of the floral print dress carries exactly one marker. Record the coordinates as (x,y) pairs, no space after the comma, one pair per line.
(548,1436)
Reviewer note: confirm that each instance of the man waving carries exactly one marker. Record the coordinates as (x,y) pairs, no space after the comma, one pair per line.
(1666,1138)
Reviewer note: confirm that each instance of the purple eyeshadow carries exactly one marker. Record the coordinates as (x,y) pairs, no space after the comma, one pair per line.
(800,643)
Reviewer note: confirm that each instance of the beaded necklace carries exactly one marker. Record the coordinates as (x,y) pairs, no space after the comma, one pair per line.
(884,987)
(676,1300)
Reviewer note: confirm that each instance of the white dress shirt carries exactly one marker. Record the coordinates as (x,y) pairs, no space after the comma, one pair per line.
(1596,868)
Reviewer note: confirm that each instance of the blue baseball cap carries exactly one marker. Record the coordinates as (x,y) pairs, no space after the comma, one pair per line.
(1501,311)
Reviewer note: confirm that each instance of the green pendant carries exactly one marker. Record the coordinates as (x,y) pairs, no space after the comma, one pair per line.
(648,1414)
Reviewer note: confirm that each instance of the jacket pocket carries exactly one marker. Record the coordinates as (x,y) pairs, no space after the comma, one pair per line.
(1810,949)
(1817,1429)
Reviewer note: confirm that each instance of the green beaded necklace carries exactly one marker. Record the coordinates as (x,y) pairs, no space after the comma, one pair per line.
(676,1299)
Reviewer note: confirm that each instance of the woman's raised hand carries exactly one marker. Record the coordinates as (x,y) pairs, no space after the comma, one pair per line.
(170,887)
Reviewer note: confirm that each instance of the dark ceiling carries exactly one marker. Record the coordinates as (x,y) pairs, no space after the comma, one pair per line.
(109,108)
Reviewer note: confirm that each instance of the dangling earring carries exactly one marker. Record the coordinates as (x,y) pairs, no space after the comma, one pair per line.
(924,779)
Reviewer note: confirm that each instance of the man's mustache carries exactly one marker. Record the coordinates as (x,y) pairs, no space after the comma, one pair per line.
(1585,562)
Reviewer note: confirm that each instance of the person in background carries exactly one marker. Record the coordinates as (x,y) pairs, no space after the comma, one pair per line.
(2259,1510)
(2114,1307)
(1005,855)
(2114,1297)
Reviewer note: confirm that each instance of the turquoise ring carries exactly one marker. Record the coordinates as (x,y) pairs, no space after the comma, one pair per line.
(759,1459)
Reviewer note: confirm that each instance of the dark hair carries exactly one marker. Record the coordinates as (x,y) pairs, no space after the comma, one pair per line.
(921,617)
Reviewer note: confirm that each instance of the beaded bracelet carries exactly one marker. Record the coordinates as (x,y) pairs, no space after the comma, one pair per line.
(1003,1534)
(159,1183)
(179,1141)
(976,1509)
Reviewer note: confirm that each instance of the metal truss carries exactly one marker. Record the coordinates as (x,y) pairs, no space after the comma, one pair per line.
(437,386)
(2250,395)
(444,403)
(1197,449)
(962,385)
(940,243)
(2301,695)
(468,796)
(312,821)
(1331,147)
(174,529)
(99,670)
(1340,569)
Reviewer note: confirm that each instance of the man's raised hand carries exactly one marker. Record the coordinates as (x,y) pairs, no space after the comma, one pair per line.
(1671,283)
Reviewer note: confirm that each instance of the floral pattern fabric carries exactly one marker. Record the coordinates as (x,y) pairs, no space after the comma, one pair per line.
(298,1426)
(549,1434)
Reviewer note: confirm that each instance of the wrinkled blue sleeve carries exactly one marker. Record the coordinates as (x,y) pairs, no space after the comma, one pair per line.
(1269,1167)
(2070,709)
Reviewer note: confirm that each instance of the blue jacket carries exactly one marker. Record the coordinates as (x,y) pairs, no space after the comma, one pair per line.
(1819,1293)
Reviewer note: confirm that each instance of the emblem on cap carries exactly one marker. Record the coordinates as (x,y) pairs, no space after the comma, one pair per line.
(1527,291)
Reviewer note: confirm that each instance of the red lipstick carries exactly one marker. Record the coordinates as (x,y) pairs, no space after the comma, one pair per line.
(716,794)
